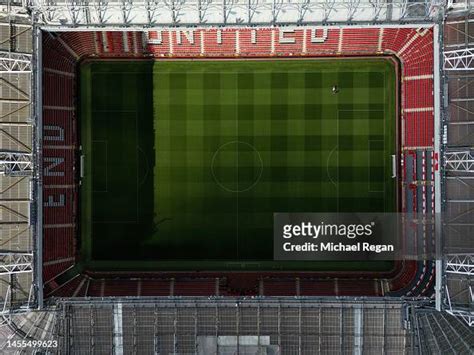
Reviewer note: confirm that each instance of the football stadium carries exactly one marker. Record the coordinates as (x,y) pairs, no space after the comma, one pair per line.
(148,147)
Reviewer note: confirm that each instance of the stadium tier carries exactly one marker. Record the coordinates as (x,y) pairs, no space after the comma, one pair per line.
(411,51)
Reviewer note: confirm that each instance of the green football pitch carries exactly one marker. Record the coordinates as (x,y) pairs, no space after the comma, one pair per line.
(185,162)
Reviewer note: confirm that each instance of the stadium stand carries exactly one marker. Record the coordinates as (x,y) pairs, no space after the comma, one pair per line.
(60,244)
(155,287)
(122,288)
(194,287)
(83,45)
(323,41)
(187,43)
(408,274)
(59,146)
(317,287)
(412,48)
(352,287)
(56,58)
(254,43)
(279,287)
(289,41)
(72,287)
(218,41)
(351,41)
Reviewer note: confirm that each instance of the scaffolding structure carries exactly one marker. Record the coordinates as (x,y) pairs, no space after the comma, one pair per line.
(71,13)
(456,283)
(11,62)
(459,288)
(17,256)
(16,163)
(459,161)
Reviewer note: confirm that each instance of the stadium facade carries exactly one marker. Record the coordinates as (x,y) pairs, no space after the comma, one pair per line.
(420,307)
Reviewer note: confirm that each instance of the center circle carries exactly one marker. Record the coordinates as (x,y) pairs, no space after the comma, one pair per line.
(236,166)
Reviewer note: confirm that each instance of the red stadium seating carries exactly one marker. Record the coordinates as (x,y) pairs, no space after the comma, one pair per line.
(357,287)
(56,57)
(325,42)
(419,130)
(58,166)
(59,128)
(159,43)
(395,39)
(121,288)
(104,44)
(421,50)
(82,45)
(295,39)
(59,140)
(262,45)
(279,287)
(317,287)
(195,287)
(52,269)
(155,287)
(354,40)
(418,69)
(418,94)
(59,242)
(63,88)
(186,43)
(403,279)
(73,287)
(214,46)
(96,288)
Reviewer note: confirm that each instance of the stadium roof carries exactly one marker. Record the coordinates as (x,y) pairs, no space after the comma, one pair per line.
(16,167)
(229,12)
(226,326)
(456,279)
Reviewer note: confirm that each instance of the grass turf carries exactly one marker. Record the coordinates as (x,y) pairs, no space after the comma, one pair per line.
(186,161)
